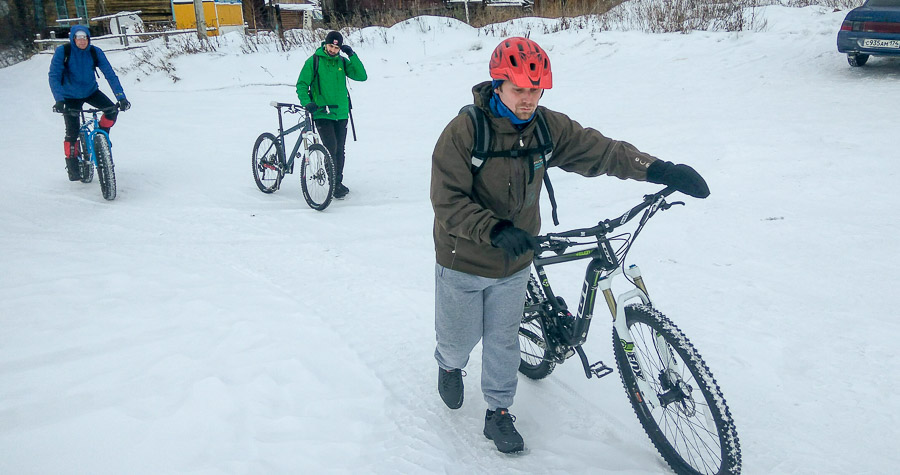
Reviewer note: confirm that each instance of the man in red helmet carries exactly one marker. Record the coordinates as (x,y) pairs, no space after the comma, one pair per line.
(485,217)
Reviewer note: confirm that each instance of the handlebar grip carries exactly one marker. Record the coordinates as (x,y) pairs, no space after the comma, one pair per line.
(273,104)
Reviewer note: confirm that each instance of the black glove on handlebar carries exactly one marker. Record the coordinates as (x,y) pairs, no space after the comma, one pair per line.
(681,177)
(124,105)
(513,240)
(59,107)
(311,107)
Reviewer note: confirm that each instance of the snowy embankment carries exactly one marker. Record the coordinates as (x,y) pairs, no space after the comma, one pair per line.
(197,325)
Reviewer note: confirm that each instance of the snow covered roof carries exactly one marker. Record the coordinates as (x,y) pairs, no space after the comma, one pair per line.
(298,7)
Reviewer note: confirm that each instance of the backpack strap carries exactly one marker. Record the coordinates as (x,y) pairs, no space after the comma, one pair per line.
(67,51)
(545,140)
(481,150)
(315,76)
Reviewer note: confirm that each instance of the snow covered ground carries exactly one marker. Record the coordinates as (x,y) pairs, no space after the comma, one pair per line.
(197,325)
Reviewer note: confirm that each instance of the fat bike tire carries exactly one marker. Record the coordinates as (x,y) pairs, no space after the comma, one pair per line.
(317,177)
(694,431)
(106,170)
(268,163)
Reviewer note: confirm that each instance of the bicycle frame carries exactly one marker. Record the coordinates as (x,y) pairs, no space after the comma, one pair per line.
(601,270)
(308,133)
(87,131)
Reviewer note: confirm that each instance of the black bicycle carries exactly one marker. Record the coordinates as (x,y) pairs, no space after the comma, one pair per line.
(270,163)
(672,391)
(95,149)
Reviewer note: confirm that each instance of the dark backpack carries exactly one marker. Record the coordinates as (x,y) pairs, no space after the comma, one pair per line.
(481,151)
(67,51)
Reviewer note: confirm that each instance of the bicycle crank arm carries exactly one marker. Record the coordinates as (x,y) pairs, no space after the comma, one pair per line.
(598,369)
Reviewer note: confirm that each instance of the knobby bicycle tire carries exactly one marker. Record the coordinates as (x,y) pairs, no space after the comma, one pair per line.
(268,163)
(106,170)
(693,433)
(317,177)
(532,343)
(87,167)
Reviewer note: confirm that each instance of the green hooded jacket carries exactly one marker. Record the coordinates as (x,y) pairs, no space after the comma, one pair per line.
(329,88)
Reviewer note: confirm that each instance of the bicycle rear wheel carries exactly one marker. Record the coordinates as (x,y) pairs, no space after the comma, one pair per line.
(87,167)
(268,163)
(532,340)
(317,177)
(691,426)
(106,170)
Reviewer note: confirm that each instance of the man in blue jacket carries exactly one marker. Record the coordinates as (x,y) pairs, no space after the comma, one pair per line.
(73,83)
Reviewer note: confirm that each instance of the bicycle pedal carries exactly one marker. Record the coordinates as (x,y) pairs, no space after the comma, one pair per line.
(599,369)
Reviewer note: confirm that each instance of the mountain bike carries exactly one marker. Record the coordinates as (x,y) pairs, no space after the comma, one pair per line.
(270,163)
(671,389)
(95,149)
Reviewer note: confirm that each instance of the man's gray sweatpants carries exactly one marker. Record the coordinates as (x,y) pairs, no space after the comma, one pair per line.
(469,308)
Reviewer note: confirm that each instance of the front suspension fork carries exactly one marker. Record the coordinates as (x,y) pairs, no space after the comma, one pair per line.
(617,310)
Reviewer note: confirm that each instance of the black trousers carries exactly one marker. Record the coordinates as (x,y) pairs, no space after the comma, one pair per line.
(99,101)
(334,136)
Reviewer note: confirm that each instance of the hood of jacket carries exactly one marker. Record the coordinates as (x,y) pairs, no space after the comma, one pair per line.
(76,29)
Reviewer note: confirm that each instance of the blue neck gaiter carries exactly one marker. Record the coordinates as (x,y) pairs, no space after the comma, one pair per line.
(499,109)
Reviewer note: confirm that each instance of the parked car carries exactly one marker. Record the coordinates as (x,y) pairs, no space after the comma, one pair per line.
(872,29)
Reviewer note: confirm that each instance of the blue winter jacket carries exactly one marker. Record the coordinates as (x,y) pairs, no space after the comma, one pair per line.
(77,80)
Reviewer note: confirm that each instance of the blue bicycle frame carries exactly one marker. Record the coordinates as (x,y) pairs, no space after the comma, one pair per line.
(89,129)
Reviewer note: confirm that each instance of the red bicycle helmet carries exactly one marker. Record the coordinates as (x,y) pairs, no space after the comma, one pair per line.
(523,62)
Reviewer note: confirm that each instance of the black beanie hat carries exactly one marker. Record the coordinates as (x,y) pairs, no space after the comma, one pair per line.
(334,38)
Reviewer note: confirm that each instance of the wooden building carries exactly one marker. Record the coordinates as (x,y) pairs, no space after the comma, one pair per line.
(220,15)
(47,12)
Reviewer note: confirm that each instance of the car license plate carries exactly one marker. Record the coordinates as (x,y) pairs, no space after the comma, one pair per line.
(870,43)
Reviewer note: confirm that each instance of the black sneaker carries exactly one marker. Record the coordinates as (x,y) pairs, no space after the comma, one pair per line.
(498,426)
(450,386)
(73,168)
(340,191)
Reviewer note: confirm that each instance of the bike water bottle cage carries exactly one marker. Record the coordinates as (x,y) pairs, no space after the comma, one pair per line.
(481,151)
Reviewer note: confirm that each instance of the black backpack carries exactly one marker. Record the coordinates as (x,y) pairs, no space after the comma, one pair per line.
(481,151)
(67,51)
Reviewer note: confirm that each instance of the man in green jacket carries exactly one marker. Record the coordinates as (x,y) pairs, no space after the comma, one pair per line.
(484,222)
(323,82)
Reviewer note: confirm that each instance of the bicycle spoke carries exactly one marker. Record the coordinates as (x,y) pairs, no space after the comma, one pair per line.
(684,418)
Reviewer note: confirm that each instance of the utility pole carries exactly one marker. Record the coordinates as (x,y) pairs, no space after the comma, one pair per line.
(201,19)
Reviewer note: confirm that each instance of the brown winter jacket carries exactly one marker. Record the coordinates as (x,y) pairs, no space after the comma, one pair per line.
(467,206)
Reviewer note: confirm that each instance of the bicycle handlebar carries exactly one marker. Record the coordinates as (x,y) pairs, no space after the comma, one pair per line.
(67,111)
(295,108)
(608,225)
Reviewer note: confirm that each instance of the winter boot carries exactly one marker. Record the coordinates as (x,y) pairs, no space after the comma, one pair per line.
(450,386)
(72,165)
(498,426)
(340,191)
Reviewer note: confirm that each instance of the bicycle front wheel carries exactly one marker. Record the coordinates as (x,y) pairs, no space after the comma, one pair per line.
(106,171)
(87,167)
(686,418)
(317,177)
(268,163)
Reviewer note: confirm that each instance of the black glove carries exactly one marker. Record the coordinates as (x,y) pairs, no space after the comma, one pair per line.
(59,107)
(347,50)
(511,239)
(681,177)
(124,105)
(311,107)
